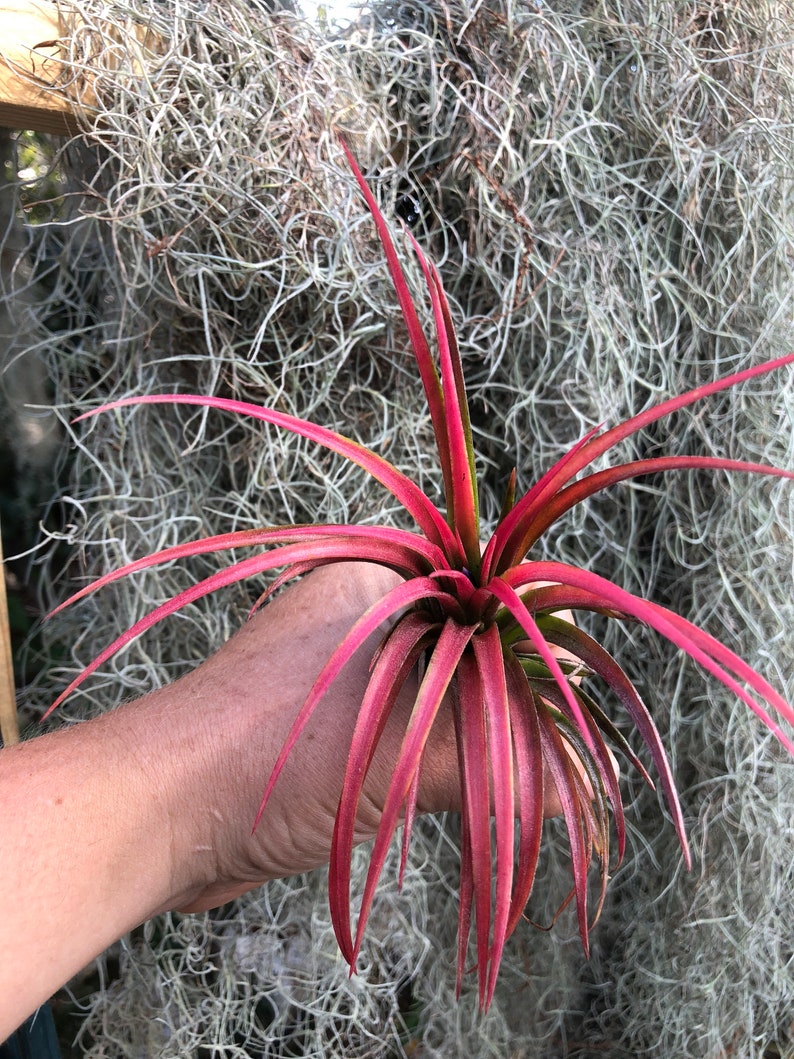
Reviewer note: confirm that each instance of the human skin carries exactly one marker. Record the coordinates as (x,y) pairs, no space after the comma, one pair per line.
(148,808)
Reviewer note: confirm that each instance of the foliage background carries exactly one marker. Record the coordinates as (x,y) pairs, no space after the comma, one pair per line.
(607,190)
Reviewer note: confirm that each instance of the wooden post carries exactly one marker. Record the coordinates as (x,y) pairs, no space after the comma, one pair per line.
(39,90)
(9,725)
(30,67)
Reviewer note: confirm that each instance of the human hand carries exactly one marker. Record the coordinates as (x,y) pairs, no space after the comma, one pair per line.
(240,705)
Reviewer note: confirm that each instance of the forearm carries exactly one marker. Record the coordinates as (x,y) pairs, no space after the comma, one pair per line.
(85,854)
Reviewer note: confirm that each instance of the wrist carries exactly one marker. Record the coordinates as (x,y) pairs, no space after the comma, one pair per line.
(181,792)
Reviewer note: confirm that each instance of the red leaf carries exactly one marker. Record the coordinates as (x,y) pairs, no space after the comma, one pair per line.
(602,663)
(529,774)
(452,642)
(597,763)
(503,590)
(513,536)
(473,757)
(466,887)
(385,608)
(400,652)
(574,494)
(415,502)
(699,645)
(490,661)
(462,499)
(574,809)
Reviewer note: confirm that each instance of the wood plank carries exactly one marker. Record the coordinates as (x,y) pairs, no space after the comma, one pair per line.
(9,726)
(30,67)
(38,90)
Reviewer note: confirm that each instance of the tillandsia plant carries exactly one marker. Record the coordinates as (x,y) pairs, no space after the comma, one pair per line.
(487,629)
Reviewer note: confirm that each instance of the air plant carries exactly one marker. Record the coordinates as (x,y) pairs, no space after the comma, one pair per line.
(486,627)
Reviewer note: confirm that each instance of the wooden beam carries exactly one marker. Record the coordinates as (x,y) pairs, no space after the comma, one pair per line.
(39,90)
(30,67)
(9,726)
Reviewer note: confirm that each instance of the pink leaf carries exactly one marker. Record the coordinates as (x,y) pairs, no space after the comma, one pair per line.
(400,652)
(512,535)
(424,359)
(490,661)
(513,521)
(503,590)
(699,645)
(385,608)
(397,548)
(426,515)
(338,547)
(574,494)
(473,756)
(529,774)
(451,644)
